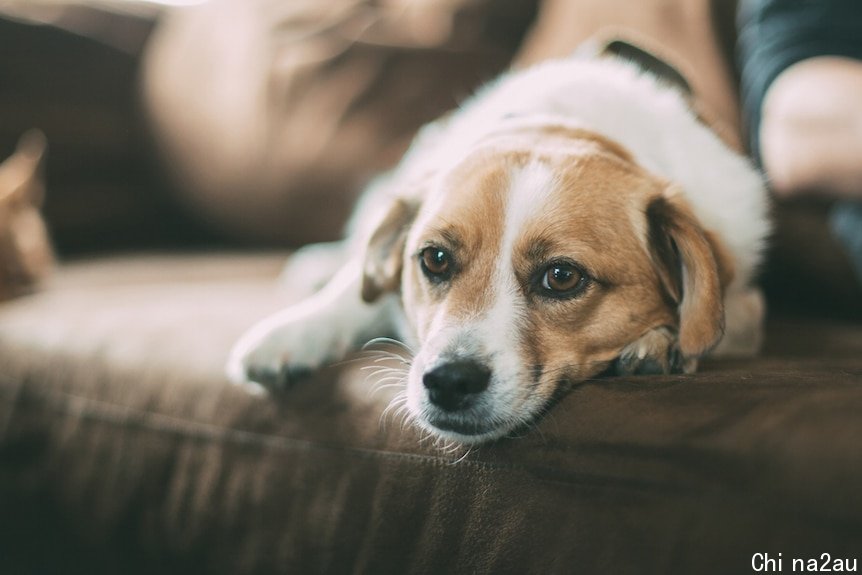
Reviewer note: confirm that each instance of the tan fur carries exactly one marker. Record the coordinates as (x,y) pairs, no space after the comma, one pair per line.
(465,224)
(383,262)
(699,291)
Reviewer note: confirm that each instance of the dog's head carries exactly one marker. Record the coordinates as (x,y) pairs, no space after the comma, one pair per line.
(533,263)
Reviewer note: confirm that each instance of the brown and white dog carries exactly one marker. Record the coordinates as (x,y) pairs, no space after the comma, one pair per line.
(571,219)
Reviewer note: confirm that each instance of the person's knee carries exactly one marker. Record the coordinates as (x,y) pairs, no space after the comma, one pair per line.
(811,128)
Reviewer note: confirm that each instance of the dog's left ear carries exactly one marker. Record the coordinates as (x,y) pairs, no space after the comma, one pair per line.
(381,271)
(693,269)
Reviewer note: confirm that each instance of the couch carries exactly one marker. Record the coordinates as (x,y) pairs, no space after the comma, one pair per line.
(123,449)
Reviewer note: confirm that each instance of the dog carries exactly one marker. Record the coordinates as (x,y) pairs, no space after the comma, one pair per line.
(571,220)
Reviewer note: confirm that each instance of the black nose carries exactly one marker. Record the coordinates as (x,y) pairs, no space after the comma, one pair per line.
(451,385)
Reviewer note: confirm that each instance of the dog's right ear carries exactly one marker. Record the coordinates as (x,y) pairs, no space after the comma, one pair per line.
(692,270)
(381,272)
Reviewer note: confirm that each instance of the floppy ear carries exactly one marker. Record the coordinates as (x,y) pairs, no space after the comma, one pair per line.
(381,271)
(693,271)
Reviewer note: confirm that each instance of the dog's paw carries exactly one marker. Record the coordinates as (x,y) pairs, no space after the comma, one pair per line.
(274,355)
(653,353)
(259,374)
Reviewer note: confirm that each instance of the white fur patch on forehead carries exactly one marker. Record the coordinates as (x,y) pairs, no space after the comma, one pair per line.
(529,190)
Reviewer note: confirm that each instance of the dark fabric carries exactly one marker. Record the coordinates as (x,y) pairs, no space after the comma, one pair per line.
(122,449)
(807,269)
(775,34)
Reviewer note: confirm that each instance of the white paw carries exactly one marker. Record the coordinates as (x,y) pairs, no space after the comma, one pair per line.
(290,345)
(655,352)
(282,350)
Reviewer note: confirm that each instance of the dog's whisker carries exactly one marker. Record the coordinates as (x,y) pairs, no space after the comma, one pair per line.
(395,405)
(407,419)
(463,457)
(387,363)
(396,385)
(379,376)
(392,356)
(388,353)
(373,381)
(451,447)
(369,355)
(384,387)
(444,447)
(387,372)
(384,358)
(347,361)
(391,381)
(387,383)
(381,356)
(425,435)
(389,341)
(381,369)
(384,374)
(389,409)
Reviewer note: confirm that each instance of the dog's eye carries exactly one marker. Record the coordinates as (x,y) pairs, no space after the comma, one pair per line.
(436,262)
(562,279)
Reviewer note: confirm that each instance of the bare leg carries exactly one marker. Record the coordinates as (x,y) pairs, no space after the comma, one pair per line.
(811,131)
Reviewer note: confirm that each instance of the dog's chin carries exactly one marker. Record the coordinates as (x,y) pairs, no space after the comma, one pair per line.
(462,430)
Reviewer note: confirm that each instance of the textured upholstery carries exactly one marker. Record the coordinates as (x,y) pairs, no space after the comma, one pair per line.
(123,449)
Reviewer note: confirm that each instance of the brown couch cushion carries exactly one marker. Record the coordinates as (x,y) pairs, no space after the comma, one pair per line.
(123,449)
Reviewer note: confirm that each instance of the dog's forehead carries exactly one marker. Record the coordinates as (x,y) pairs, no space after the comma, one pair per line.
(578,191)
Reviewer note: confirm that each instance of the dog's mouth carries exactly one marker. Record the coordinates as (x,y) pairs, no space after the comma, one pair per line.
(474,425)
(462,426)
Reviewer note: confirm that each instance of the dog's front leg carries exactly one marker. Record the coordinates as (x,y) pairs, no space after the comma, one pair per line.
(653,353)
(294,342)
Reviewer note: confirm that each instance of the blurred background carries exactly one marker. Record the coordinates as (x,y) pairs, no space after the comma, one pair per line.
(254,124)
(72,71)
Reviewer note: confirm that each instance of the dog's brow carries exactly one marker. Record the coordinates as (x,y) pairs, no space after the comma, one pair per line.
(449,235)
(538,249)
